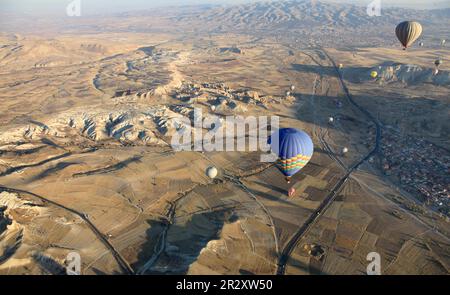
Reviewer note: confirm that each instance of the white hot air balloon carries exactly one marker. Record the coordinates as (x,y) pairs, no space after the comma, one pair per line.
(288,93)
(345,150)
(212,172)
(330,120)
(292,87)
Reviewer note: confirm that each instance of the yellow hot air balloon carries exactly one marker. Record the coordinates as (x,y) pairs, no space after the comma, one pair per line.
(408,32)
(373,74)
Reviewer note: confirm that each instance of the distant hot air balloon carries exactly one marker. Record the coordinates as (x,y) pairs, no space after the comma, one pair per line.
(408,32)
(294,149)
(341,66)
(345,150)
(438,62)
(374,74)
(212,172)
(288,93)
(292,87)
(330,120)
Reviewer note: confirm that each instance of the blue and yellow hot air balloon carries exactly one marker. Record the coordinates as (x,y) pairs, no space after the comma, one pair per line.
(294,149)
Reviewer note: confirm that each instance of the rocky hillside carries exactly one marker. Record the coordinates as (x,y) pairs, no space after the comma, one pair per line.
(332,24)
(308,13)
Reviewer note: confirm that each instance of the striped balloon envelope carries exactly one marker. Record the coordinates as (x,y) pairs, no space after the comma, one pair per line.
(294,149)
(408,32)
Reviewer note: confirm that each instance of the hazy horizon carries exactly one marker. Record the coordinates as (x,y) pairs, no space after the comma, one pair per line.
(115,6)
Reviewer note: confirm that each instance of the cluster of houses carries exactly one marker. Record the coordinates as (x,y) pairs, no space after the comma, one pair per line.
(221,94)
(422,168)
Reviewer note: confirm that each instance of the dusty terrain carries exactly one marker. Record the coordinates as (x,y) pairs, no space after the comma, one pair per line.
(86,164)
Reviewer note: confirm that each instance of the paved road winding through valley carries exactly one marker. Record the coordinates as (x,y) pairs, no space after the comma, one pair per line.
(292,243)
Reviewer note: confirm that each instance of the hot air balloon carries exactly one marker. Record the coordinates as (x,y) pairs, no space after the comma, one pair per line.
(345,150)
(438,62)
(330,120)
(294,149)
(288,93)
(212,172)
(292,87)
(341,66)
(408,32)
(374,74)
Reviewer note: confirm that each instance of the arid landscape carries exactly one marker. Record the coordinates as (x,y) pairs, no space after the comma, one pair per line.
(89,106)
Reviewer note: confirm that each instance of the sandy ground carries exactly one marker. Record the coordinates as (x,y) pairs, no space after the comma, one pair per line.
(89,131)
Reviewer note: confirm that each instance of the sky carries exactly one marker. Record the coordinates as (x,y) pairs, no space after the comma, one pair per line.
(108,6)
